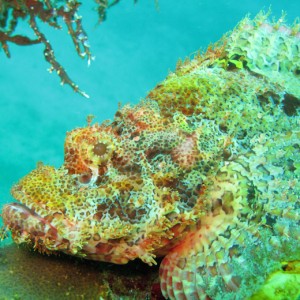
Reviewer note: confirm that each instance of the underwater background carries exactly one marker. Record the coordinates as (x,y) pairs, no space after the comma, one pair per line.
(134,49)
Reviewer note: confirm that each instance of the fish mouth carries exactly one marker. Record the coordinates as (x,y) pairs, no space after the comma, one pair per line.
(30,228)
(18,217)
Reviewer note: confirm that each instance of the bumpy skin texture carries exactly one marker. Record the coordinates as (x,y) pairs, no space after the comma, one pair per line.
(205,171)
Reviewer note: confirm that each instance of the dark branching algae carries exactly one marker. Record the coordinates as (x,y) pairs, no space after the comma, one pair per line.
(52,13)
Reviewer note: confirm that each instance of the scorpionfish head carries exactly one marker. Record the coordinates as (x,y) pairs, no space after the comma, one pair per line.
(127,189)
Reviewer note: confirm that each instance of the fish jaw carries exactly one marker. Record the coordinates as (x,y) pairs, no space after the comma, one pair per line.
(27,227)
(40,233)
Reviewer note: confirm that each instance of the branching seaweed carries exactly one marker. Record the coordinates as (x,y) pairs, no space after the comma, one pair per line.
(51,12)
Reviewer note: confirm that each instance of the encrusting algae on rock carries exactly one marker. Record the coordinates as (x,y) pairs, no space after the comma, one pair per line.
(204,171)
(27,275)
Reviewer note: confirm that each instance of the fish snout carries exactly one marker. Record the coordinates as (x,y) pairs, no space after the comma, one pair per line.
(27,227)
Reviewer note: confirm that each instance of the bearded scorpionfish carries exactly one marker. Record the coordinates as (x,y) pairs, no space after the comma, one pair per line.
(204,171)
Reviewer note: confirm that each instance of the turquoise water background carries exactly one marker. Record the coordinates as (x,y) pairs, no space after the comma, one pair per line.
(134,49)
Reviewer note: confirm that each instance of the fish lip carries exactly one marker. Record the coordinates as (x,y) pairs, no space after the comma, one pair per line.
(28,227)
(24,207)
(15,215)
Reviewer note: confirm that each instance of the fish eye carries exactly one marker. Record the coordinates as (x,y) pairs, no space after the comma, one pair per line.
(100,149)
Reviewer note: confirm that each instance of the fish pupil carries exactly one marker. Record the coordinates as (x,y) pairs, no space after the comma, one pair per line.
(100,149)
